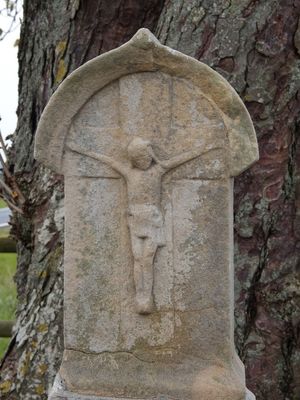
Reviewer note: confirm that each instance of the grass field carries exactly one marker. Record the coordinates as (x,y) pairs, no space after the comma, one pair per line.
(2,204)
(7,286)
(7,291)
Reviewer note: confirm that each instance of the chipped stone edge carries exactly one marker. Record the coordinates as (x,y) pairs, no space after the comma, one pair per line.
(142,53)
(249,395)
(59,392)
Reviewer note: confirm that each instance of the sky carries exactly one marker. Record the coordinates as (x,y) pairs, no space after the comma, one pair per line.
(8,77)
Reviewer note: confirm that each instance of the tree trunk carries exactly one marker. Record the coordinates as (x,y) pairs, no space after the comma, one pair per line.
(255,45)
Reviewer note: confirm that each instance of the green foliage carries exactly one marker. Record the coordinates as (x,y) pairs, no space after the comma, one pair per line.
(2,203)
(7,292)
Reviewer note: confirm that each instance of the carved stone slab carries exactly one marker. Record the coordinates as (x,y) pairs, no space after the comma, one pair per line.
(148,140)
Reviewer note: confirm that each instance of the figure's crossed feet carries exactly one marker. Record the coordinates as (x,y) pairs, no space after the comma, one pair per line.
(144,304)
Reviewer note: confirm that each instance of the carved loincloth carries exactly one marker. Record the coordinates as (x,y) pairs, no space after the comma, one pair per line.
(146,221)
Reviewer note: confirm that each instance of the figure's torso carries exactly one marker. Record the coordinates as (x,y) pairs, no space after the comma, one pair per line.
(144,187)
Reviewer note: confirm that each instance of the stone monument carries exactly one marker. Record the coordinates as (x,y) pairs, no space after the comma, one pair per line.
(148,141)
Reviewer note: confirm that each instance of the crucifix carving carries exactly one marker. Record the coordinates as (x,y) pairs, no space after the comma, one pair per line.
(143,175)
(111,350)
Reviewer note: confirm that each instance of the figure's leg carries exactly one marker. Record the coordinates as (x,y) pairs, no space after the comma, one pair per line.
(143,250)
(137,250)
(143,253)
(145,297)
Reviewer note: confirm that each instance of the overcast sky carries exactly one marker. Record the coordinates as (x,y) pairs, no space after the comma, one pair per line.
(8,79)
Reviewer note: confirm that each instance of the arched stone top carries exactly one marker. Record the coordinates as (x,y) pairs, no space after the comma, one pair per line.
(143,53)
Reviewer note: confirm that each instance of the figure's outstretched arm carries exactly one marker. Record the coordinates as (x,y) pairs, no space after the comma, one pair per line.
(182,158)
(122,169)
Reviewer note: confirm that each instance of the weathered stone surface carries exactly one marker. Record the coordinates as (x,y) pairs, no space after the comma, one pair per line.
(148,141)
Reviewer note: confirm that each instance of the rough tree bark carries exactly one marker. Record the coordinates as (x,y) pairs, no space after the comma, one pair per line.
(255,44)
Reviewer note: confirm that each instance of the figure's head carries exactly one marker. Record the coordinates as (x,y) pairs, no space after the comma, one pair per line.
(139,153)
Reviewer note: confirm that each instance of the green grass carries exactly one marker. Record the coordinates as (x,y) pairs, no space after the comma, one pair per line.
(2,203)
(4,232)
(7,292)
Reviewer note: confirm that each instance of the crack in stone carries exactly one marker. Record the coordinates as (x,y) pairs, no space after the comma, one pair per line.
(107,352)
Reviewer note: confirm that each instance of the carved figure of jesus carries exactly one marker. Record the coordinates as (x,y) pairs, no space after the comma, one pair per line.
(143,175)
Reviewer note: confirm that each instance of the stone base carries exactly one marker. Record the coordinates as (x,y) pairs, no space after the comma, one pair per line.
(59,392)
